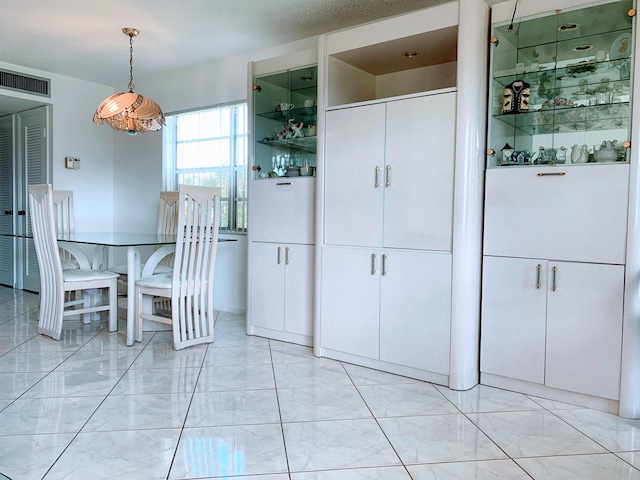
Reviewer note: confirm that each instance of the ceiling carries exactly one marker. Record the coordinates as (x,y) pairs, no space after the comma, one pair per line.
(83,39)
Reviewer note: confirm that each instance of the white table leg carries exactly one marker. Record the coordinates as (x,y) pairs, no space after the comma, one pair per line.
(133,274)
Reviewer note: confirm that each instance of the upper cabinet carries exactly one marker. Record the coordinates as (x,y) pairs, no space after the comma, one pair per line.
(560,88)
(285,123)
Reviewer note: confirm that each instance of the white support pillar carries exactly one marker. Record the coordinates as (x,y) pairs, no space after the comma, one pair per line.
(630,374)
(473,41)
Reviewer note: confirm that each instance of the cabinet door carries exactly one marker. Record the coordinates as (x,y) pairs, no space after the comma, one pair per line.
(576,213)
(282,210)
(584,328)
(418,198)
(513,318)
(415,310)
(298,308)
(353,187)
(349,306)
(267,286)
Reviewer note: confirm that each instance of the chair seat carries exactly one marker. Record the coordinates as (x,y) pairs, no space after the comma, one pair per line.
(164,280)
(84,275)
(70,265)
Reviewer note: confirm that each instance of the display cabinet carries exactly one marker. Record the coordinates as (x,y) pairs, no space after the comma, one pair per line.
(284,123)
(560,88)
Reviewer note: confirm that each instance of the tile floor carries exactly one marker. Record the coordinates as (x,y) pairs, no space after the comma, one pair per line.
(88,407)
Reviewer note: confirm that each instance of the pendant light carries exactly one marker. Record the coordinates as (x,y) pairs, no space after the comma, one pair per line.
(129,111)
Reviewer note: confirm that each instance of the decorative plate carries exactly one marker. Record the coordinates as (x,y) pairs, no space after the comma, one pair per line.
(621,47)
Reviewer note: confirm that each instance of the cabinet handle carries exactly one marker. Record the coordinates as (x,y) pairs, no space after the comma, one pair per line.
(538,270)
(373,264)
(384,265)
(554,287)
(286,256)
(378,184)
(388,175)
(557,174)
(279,254)
(282,183)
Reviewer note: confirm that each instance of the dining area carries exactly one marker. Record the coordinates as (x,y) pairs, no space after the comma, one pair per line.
(172,286)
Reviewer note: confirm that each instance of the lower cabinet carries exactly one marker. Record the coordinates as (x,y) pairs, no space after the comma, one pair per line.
(553,323)
(388,305)
(281,300)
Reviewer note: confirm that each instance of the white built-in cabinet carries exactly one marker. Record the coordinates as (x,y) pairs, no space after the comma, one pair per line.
(386,263)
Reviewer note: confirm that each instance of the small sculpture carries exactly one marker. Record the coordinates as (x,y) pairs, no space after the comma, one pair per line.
(579,154)
(607,152)
(295,128)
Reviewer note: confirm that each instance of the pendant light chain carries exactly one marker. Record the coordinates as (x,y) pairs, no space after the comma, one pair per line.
(131,85)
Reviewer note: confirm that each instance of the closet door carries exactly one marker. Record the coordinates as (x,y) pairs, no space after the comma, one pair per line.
(6,202)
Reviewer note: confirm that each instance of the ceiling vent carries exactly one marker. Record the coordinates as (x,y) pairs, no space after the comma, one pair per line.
(22,83)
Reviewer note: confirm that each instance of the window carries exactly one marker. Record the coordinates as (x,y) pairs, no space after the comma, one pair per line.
(209,147)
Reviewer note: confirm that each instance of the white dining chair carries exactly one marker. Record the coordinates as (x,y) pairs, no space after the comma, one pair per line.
(190,285)
(54,281)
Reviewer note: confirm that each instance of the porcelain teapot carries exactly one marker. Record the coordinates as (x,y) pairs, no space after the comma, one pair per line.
(607,152)
(579,154)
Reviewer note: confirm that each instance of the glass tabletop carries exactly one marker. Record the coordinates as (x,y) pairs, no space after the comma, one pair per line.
(118,239)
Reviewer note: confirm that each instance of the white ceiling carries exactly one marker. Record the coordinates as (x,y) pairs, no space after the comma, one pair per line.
(83,38)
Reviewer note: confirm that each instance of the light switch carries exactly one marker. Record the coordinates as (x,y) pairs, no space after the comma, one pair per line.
(68,162)
(76,164)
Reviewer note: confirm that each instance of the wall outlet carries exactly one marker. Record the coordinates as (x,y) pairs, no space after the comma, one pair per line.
(68,162)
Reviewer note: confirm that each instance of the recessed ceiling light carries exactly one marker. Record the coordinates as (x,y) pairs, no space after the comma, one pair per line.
(582,48)
(410,54)
(568,27)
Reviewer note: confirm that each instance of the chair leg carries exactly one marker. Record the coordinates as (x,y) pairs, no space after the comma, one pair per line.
(87,301)
(113,306)
(138,318)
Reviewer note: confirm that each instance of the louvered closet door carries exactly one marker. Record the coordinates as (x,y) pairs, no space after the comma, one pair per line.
(34,171)
(6,201)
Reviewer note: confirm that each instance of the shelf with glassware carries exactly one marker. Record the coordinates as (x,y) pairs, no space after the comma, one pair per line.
(560,97)
(285,129)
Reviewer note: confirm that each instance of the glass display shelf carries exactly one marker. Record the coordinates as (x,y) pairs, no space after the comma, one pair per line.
(303,113)
(301,144)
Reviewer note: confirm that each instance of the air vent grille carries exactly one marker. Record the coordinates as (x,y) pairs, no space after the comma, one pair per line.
(15,81)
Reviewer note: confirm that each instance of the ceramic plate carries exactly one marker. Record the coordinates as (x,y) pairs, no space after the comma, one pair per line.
(621,47)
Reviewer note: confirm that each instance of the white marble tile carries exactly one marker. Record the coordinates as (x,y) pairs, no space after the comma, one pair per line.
(327,373)
(28,457)
(368,376)
(140,411)
(321,403)
(31,361)
(438,438)
(375,473)
(488,399)
(552,404)
(481,470)
(75,384)
(125,455)
(611,431)
(191,357)
(88,360)
(592,467)
(225,356)
(283,352)
(238,339)
(47,415)
(236,377)
(405,399)
(106,341)
(240,407)
(277,476)
(632,458)
(170,380)
(228,451)
(12,385)
(337,444)
(536,433)
(41,343)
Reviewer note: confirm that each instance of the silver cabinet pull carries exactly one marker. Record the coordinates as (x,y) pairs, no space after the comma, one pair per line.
(554,286)
(286,256)
(557,174)
(378,184)
(279,254)
(384,265)
(373,264)
(538,270)
(388,176)
(279,184)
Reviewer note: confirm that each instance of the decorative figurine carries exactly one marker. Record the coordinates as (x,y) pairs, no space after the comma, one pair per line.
(515,97)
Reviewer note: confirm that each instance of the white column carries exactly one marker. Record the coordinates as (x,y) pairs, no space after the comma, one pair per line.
(630,375)
(473,41)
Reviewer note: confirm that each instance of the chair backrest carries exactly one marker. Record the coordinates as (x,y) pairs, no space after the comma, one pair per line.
(194,264)
(63,211)
(44,239)
(168,213)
